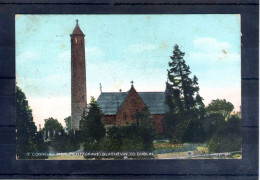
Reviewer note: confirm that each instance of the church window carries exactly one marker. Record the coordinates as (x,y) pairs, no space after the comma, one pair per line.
(125,116)
(76,40)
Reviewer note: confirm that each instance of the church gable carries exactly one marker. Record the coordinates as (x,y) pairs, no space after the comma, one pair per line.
(129,107)
(119,108)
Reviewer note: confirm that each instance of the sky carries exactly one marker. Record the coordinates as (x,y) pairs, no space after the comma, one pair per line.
(122,48)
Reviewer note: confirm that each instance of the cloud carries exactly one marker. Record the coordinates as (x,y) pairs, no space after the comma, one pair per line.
(211,45)
(210,50)
(214,57)
(138,48)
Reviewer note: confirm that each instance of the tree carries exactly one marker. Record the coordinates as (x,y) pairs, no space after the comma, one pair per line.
(65,142)
(146,128)
(92,127)
(220,106)
(28,139)
(228,137)
(186,109)
(212,124)
(68,123)
(182,90)
(52,128)
(137,136)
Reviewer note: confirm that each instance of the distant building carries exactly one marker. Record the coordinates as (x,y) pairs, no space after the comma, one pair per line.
(119,108)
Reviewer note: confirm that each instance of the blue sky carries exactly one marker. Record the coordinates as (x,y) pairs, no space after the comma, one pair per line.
(121,48)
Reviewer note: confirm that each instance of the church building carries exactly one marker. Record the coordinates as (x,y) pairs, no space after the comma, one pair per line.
(119,108)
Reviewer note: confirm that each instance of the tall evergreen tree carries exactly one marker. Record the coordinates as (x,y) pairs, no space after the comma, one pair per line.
(182,97)
(28,139)
(92,127)
(183,90)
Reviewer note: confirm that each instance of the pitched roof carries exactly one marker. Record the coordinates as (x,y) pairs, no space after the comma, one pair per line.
(154,101)
(111,101)
(77,30)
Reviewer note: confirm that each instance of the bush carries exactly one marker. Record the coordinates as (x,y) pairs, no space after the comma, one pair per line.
(65,143)
(227,139)
(127,138)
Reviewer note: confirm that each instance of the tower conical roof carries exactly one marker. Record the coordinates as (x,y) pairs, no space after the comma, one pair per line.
(77,30)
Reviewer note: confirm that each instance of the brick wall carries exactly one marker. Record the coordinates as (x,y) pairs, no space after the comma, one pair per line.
(109,119)
(158,123)
(132,103)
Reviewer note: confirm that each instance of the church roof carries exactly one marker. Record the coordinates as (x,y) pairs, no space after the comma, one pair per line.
(110,102)
(77,30)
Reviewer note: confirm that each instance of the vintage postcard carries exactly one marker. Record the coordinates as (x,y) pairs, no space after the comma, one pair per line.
(128,86)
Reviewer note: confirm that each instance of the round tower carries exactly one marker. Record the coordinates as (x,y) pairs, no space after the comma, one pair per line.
(78,76)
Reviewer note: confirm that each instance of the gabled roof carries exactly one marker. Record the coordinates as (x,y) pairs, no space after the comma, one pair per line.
(110,102)
(155,101)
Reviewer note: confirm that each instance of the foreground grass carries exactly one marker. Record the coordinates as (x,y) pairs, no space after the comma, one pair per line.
(65,158)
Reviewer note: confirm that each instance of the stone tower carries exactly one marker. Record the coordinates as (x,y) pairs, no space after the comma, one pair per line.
(78,76)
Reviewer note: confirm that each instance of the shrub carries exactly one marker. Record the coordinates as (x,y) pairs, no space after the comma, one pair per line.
(228,138)
(65,143)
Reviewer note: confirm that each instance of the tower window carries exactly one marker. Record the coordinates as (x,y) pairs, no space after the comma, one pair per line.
(76,40)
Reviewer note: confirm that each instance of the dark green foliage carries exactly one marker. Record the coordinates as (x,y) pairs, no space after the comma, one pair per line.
(92,128)
(68,123)
(28,139)
(220,106)
(146,128)
(65,143)
(41,146)
(223,131)
(228,138)
(195,131)
(127,138)
(212,124)
(53,128)
(184,120)
(182,89)
(134,137)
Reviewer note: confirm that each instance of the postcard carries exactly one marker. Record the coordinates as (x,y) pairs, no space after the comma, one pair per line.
(128,87)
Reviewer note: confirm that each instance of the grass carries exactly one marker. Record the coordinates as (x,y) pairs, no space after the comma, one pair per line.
(65,158)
